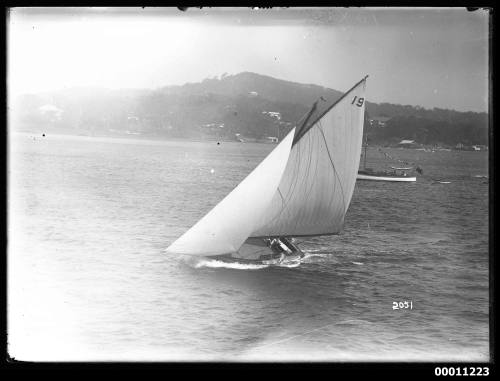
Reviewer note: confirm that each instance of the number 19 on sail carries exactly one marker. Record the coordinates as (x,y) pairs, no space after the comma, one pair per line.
(357,101)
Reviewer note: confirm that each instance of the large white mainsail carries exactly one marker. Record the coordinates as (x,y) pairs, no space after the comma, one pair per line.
(318,183)
(226,227)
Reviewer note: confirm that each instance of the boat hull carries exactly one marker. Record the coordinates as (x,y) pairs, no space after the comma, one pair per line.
(256,251)
(274,261)
(386,178)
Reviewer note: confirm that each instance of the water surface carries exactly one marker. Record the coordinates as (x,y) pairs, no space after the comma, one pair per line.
(90,218)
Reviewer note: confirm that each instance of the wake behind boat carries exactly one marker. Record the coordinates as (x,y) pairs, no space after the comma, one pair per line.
(301,189)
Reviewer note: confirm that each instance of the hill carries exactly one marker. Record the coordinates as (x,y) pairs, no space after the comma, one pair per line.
(247,104)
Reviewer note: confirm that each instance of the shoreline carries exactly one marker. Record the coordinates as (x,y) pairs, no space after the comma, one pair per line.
(162,138)
(127,138)
(117,136)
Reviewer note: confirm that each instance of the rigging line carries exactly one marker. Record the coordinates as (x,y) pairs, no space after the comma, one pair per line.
(306,177)
(295,170)
(282,199)
(298,160)
(332,198)
(348,116)
(314,176)
(291,189)
(309,148)
(333,166)
(293,185)
(356,117)
(308,168)
(303,128)
(287,198)
(338,213)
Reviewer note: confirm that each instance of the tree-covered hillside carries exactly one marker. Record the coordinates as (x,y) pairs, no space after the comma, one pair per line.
(247,104)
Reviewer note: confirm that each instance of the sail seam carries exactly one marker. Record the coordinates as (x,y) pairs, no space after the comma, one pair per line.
(333,166)
(282,199)
(314,177)
(286,199)
(304,184)
(291,190)
(334,191)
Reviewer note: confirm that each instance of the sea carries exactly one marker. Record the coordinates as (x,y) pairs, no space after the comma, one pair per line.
(89,219)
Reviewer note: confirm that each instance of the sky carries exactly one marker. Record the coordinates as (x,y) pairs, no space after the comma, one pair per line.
(428,57)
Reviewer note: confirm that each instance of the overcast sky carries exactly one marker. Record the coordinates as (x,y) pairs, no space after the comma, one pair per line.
(428,57)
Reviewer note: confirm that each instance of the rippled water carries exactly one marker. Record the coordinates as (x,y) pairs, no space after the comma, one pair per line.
(90,218)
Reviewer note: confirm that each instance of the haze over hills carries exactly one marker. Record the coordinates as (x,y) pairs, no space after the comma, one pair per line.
(245,105)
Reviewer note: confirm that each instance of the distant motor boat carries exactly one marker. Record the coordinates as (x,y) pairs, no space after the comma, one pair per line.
(397,174)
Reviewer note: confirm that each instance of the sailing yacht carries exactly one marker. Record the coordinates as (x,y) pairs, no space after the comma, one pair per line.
(301,189)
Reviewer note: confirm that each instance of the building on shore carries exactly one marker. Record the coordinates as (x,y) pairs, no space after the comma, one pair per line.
(50,112)
(379,121)
(407,144)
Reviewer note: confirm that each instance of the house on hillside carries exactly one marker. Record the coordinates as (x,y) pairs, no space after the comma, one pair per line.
(273,114)
(50,112)
(378,121)
(212,128)
(479,147)
(407,144)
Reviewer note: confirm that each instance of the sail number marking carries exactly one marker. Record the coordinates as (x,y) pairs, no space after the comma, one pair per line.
(359,102)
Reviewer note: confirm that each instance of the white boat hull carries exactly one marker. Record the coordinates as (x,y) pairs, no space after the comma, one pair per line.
(255,251)
(386,178)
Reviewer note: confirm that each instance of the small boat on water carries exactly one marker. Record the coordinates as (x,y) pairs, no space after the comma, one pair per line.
(398,174)
(301,189)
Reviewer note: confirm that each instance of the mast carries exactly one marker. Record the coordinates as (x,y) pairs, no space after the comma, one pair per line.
(301,131)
